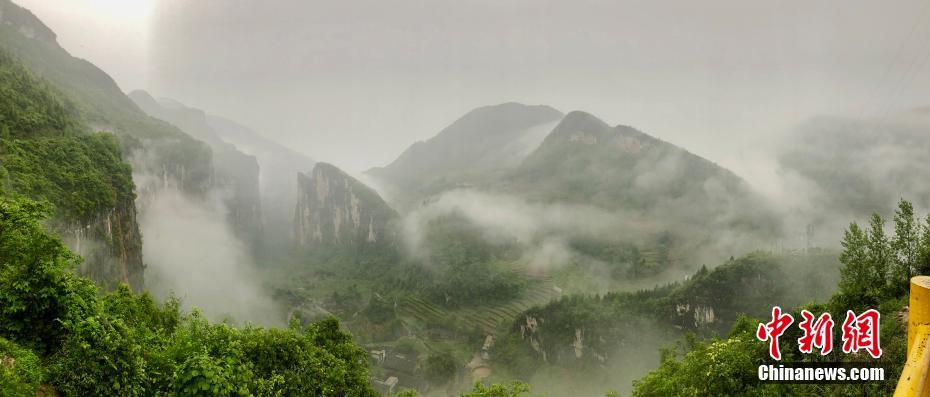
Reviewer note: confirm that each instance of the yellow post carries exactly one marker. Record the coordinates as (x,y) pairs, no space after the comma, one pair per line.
(913,381)
(919,308)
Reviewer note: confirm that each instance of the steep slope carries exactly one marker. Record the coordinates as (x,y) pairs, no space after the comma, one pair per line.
(487,139)
(336,210)
(153,146)
(235,171)
(585,161)
(277,167)
(46,153)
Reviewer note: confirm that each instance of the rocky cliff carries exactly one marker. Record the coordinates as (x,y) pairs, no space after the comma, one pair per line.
(277,167)
(235,173)
(336,210)
(111,246)
(97,216)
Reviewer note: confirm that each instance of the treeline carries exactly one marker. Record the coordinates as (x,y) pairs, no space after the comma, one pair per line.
(57,331)
(615,326)
(875,275)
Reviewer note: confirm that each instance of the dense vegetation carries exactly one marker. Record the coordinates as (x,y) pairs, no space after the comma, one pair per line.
(83,176)
(48,154)
(126,343)
(460,266)
(100,102)
(29,106)
(875,274)
(593,337)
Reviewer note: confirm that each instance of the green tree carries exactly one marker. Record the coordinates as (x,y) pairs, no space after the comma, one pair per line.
(906,245)
(880,255)
(38,290)
(856,278)
(441,368)
(923,250)
(21,371)
(515,389)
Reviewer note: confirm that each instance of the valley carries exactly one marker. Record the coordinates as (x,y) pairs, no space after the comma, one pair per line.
(152,248)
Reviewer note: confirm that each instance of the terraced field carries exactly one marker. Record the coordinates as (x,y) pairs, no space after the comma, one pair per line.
(539,290)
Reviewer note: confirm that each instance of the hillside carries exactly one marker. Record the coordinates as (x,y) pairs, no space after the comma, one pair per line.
(590,340)
(485,140)
(235,171)
(584,160)
(152,146)
(47,153)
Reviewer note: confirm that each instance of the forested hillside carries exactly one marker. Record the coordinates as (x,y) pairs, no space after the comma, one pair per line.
(160,147)
(57,333)
(875,274)
(106,231)
(153,248)
(47,153)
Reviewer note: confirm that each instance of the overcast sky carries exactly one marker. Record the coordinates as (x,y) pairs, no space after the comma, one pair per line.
(356,82)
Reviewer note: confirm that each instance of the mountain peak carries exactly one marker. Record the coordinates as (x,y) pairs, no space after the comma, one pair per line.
(485,138)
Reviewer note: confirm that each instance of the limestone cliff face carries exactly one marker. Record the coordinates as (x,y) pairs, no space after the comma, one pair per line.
(162,156)
(111,246)
(336,210)
(234,172)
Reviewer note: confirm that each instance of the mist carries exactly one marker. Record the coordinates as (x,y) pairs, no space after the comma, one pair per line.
(609,150)
(545,232)
(192,253)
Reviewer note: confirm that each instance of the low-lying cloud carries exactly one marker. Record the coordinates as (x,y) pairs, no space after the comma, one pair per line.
(191,252)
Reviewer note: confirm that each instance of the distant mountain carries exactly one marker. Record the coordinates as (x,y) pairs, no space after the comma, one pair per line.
(278,167)
(336,210)
(669,203)
(584,160)
(235,171)
(486,140)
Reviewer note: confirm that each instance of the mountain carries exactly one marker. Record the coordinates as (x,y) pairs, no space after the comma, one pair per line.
(234,170)
(665,201)
(278,166)
(336,210)
(47,153)
(154,147)
(584,160)
(486,140)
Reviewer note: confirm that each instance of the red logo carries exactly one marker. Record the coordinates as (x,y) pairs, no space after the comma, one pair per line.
(861,332)
(817,334)
(772,330)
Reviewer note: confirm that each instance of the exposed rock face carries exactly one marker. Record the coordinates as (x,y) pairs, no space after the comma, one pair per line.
(111,246)
(161,155)
(336,210)
(277,167)
(235,172)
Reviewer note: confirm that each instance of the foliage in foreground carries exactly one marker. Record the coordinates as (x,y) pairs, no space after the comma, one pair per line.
(127,344)
(876,271)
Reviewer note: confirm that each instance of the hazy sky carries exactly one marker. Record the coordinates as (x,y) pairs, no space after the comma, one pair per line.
(356,82)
